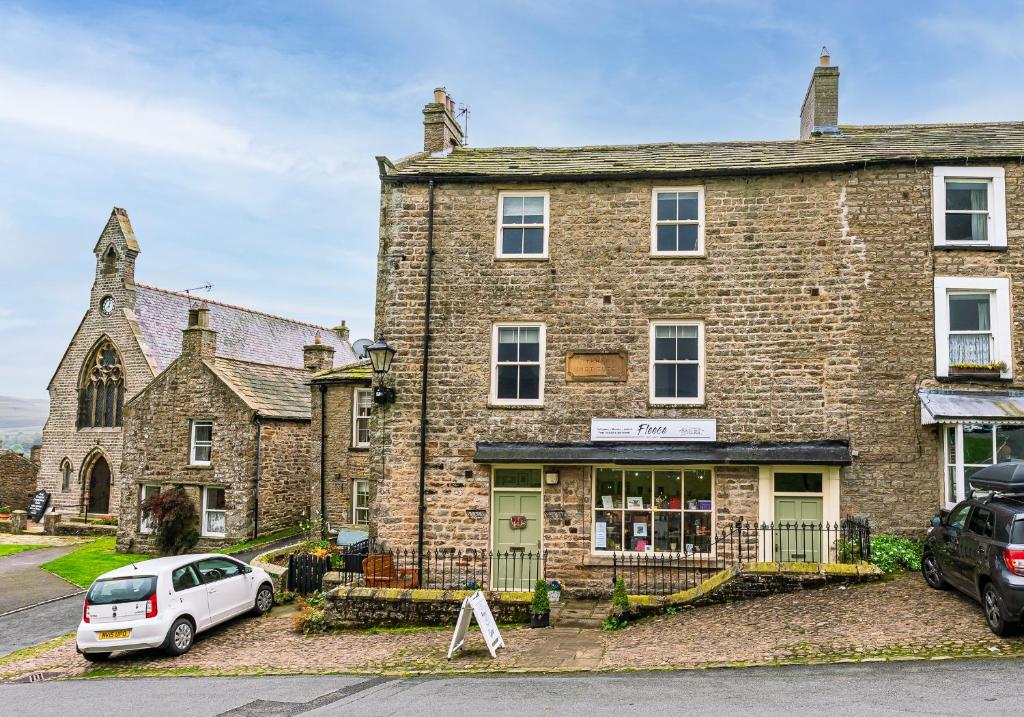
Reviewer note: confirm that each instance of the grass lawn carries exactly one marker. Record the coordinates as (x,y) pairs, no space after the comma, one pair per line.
(262,540)
(84,565)
(12,549)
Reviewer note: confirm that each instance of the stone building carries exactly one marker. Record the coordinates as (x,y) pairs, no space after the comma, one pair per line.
(17,479)
(235,435)
(131,332)
(630,347)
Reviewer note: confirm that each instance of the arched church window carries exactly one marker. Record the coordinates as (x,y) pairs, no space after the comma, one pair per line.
(65,474)
(101,394)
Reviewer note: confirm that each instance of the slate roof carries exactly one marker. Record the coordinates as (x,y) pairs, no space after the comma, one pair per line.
(242,334)
(361,370)
(939,406)
(856,146)
(272,391)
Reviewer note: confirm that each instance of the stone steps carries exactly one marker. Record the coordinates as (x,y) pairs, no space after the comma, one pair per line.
(580,614)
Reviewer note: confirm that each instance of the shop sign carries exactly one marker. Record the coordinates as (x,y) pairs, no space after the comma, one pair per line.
(653,430)
(517,522)
(595,366)
(475,606)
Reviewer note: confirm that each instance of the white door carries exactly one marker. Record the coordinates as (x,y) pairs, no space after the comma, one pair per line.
(227,587)
(189,591)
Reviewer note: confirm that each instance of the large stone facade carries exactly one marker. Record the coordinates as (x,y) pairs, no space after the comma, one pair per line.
(816,293)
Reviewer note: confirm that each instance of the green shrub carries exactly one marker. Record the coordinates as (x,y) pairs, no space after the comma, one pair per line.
(620,598)
(892,554)
(284,597)
(541,604)
(176,520)
(316,599)
(613,623)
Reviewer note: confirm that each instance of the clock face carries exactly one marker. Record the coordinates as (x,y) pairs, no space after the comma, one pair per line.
(107,305)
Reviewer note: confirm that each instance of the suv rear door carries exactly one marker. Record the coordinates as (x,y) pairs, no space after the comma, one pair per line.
(947,547)
(975,544)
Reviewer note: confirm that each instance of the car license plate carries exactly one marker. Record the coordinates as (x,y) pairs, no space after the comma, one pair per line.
(114,634)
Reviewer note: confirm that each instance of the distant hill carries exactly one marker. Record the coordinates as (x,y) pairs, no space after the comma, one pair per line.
(23,413)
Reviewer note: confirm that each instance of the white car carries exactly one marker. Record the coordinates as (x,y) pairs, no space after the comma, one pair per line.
(164,602)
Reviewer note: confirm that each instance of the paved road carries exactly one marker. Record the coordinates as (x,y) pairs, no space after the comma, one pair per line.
(946,687)
(25,584)
(39,624)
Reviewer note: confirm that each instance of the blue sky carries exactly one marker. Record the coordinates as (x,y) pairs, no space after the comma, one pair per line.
(241,136)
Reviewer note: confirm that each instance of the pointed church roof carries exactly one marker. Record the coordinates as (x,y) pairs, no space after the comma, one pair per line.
(119,222)
(242,334)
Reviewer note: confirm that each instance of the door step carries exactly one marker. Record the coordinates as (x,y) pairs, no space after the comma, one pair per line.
(580,614)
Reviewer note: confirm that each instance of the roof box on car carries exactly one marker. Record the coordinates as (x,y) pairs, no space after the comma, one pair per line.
(1005,478)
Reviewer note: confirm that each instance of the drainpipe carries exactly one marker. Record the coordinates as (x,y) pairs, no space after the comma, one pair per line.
(323,456)
(256,513)
(426,367)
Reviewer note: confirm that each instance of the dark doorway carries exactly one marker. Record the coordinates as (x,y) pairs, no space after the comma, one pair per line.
(99,486)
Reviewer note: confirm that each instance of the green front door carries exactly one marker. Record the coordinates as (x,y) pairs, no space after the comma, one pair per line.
(797,534)
(517,530)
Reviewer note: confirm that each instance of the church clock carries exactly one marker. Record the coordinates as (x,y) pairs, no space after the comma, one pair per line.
(107,305)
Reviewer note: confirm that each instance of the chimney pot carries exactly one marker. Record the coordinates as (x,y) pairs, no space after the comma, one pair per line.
(441,132)
(342,330)
(825,57)
(440,95)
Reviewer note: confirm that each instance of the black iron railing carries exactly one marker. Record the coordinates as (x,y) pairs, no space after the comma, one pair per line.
(661,573)
(372,565)
(306,572)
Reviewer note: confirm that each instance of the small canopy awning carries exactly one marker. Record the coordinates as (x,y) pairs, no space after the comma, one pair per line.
(744,453)
(939,406)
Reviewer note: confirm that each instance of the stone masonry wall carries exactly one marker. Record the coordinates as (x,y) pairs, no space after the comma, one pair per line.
(344,462)
(17,480)
(285,474)
(816,293)
(156,450)
(61,437)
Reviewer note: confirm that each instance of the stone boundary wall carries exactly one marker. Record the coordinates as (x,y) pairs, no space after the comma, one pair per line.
(72,528)
(383,607)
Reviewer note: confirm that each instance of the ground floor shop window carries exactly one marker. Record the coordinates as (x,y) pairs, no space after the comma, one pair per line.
(214,512)
(361,502)
(653,510)
(146,522)
(969,447)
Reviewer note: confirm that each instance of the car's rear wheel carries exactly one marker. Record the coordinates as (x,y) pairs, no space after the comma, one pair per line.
(932,572)
(180,637)
(264,600)
(95,656)
(992,603)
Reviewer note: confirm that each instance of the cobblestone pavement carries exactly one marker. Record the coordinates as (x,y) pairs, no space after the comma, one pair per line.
(898,619)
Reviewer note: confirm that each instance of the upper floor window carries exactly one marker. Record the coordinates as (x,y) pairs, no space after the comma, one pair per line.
(677,221)
(972,326)
(362,402)
(517,368)
(677,362)
(201,443)
(969,206)
(523,225)
(101,391)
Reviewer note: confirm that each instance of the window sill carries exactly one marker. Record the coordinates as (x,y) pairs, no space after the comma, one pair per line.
(974,379)
(969,247)
(521,258)
(199,467)
(677,404)
(112,429)
(517,406)
(688,255)
(359,449)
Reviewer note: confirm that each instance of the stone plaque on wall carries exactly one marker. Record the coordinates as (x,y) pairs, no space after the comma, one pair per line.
(595,366)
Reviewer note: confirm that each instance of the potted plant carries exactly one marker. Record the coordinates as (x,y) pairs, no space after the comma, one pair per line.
(540,610)
(5,511)
(978,370)
(554,591)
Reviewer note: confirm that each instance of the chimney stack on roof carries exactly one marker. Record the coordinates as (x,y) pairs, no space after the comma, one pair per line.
(820,112)
(34,453)
(441,131)
(198,340)
(342,330)
(317,356)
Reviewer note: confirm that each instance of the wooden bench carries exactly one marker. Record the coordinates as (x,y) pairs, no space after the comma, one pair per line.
(379,572)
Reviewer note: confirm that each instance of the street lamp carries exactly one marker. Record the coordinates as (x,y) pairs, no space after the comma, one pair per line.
(381,355)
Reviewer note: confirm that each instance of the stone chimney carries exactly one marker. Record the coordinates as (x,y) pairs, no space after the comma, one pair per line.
(199,340)
(341,330)
(317,357)
(34,453)
(440,130)
(820,113)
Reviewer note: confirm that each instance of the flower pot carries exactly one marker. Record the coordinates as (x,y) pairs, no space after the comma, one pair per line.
(541,620)
(554,595)
(975,372)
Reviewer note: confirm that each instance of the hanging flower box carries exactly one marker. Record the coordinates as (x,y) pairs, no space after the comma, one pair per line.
(975,370)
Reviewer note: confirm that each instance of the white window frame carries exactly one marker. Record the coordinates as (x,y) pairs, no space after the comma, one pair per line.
(699,251)
(356,417)
(356,508)
(498,253)
(996,178)
(493,399)
(999,306)
(682,511)
(145,526)
(205,532)
(701,364)
(192,443)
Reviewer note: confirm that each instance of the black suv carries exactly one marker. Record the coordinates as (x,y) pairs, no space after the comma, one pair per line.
(978,548)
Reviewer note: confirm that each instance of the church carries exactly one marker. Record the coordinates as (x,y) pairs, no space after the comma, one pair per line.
(130,334)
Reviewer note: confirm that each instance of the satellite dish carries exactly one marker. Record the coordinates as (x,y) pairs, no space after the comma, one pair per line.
(359,346)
